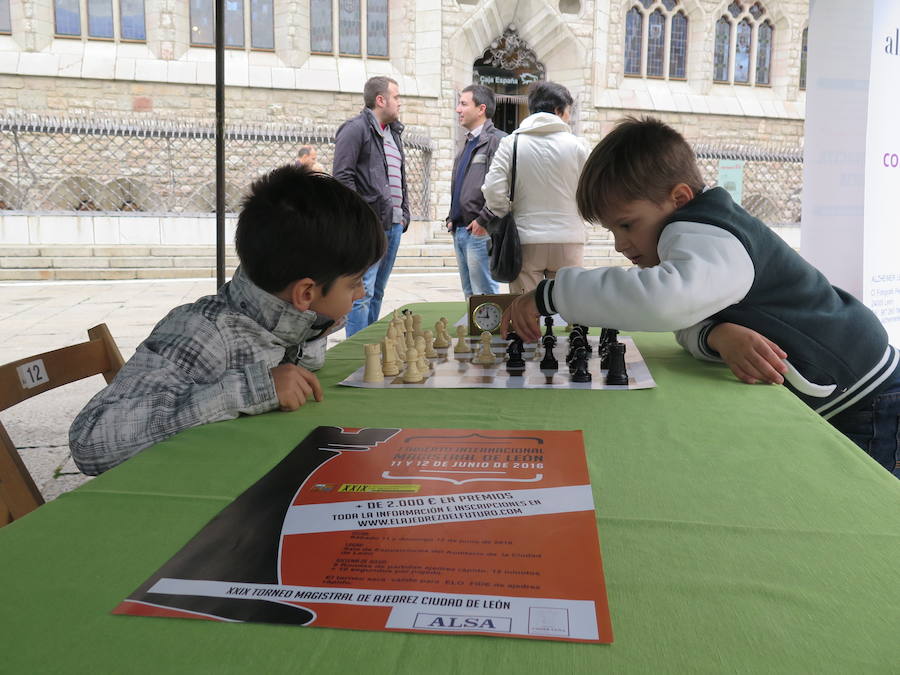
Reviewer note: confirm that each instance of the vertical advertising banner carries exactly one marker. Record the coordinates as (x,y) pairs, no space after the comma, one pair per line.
(881,262)
(852,151)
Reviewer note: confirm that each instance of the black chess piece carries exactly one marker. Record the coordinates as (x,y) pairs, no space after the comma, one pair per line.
(608,336)
(585,330)
(549,361)
(617,374)
(576,340)
(548,322)
(515,362)
(580,361)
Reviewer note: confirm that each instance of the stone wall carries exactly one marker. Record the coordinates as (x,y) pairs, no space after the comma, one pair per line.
(433,44)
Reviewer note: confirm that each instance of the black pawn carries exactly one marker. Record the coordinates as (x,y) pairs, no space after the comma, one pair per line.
(549,361)
(580,373)
(548,322)
(617,375)
(515,362)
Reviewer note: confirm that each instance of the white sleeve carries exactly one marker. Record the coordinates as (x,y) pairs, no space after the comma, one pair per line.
(496,182)
(703,269)
(693,340)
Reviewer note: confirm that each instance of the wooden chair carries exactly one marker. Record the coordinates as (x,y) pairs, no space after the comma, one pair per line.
(22,379)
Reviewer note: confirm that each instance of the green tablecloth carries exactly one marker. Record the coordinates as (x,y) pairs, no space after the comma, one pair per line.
(739,531)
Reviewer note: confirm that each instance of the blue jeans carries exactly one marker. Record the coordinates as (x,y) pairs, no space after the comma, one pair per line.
(365,310)
(876,428)
(474,263)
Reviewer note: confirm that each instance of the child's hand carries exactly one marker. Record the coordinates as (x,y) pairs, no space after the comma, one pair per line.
(522,316)
(751,357)
(294,385)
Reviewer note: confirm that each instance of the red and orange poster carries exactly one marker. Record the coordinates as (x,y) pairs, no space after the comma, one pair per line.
(423,530)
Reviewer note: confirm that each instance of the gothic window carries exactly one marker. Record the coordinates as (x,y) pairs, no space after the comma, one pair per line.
(742,52)
(362,27)
(662,26)
(764,53)
(97,19)
(634,22)
(246,22)
(678,55)
(656,44)
(803,48)
(5,21)
(742,31)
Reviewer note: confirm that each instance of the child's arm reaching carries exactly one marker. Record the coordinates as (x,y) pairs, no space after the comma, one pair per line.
(750,356)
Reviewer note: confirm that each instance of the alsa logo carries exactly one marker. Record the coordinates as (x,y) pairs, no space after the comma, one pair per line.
(462,622)
(892,43)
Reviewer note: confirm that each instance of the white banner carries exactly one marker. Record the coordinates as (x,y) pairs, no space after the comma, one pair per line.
(435,509)
(551,617)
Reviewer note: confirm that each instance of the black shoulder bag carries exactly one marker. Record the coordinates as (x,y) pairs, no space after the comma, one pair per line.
(505,249)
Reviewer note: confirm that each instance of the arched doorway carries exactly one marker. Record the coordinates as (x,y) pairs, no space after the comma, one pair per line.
(508,66)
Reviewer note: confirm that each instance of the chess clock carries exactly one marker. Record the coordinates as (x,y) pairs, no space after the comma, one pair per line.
(485,312)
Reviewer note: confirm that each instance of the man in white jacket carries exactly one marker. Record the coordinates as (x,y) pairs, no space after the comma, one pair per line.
(549,160)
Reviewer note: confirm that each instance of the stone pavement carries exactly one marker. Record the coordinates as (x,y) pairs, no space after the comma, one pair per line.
(39,316)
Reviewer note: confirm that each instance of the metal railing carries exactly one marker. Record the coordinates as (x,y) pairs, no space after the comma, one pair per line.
(772,179)
(95,164)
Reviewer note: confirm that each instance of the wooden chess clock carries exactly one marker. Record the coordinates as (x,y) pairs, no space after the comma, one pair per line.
(485,312)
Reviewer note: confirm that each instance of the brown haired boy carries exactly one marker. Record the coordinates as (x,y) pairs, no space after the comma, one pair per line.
(731,288)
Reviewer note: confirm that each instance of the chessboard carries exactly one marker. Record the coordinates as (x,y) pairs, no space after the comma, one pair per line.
(453,368)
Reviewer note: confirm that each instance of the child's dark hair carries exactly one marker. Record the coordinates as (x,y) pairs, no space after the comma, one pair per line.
(642,158)
(296,223)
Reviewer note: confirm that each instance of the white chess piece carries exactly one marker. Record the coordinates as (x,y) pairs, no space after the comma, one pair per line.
(440,342)
(408,323)
(422,363)
(411,374)
(389,363)
(485,356)
(462,347)
(373,372)
(410,341)
(417,325)
(429,344)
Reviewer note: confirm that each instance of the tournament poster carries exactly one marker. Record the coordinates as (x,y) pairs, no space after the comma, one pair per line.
(418,530)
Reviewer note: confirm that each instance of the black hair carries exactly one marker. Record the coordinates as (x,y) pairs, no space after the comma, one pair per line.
(481,95)
(548,97)
(642,158)
(296,223)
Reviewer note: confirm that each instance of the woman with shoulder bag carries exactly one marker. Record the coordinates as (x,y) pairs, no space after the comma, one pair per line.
(549,159)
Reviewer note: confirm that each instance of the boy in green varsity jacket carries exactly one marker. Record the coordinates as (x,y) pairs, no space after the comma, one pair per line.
(730,288)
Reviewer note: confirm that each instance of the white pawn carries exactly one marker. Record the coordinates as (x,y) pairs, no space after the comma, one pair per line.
(411,374)
(429,344)
(461,345)
(373,372)
(422,363)
(485,356)
(389,364)
(440,342)
(537,352)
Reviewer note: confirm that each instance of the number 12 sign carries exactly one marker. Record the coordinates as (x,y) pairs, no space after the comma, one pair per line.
(32,374)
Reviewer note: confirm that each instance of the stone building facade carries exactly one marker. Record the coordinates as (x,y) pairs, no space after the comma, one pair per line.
(431,48)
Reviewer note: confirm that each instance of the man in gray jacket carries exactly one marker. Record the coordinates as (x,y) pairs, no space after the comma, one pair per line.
(368,158)
(468,215)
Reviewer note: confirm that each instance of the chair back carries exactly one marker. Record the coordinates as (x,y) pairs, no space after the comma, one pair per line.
(33,375)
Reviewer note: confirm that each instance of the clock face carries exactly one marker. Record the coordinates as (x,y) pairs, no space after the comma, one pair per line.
(487,316)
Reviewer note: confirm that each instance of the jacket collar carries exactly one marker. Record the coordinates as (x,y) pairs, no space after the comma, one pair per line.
(397,127)
(277,316)
(542,123)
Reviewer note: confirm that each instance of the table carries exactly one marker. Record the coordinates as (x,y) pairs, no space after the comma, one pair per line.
(739,532)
